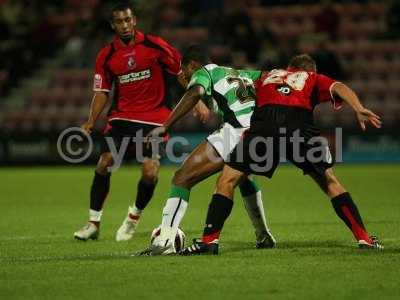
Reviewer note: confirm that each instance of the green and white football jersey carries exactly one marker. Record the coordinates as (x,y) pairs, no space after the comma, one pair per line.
(231,92)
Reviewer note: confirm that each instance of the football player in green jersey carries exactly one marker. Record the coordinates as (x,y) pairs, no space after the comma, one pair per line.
(231,94)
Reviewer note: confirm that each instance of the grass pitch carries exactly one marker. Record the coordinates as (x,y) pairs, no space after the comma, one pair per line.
(316,257)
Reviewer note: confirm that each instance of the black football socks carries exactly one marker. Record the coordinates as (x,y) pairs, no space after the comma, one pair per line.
(98,194)
(99,191)
(347,210)
(145,191)
(218,211)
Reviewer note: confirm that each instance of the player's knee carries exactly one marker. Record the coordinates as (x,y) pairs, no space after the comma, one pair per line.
(227,183)
(334,187)
(150,171)
(182,178)
(331,178)
(150,176)
(106,160)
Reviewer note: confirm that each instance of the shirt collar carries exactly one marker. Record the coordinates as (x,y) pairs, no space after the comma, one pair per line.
(297,70)
(118,44)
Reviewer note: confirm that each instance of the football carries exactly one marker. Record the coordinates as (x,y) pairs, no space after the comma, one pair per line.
(179,243)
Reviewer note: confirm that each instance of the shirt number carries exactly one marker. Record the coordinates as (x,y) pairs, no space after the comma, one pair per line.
(295,81)
(244,90)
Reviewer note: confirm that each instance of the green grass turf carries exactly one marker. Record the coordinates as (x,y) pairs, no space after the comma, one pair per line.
(315,258)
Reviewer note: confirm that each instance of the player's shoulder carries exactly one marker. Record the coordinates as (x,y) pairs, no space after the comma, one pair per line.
(251,74)
(200,73)
(323,78)
(105,51)
(155,40)
(206,69)
(216,72)
(154,37)
(203,75)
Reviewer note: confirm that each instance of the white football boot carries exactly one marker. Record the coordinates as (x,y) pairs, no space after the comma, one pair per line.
(375,245)
(127,229)
(89,231)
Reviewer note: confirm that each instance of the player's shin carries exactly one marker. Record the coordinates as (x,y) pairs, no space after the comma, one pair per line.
(253,203)
(173,213)
(144,194)
(98,194)
(347,210)
(145,191)
(218,211)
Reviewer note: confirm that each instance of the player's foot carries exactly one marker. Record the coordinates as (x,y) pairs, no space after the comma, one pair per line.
(265,240)
(127,229)
(89,231)
(375,245)
(198,248)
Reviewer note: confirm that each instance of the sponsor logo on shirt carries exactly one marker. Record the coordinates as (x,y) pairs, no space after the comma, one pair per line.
(134,76)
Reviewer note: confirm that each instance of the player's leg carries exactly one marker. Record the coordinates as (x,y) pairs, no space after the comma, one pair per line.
(202,162)
(145,191)
(146,185)
(345,207)
(320,169)
(222,202)
(220,205)
(240,163)
(218,212)
(98,194)
(253,203)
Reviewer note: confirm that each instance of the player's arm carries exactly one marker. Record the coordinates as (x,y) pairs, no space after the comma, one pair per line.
(364,115)
(171,58)
(187,103)
(101,86)
(202,112)
(99,101)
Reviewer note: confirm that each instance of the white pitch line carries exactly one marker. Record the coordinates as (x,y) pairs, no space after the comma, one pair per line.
(16,238)
(66,257)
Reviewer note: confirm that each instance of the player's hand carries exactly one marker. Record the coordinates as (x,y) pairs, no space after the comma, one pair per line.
(366,116)
(88,127)
(202,112)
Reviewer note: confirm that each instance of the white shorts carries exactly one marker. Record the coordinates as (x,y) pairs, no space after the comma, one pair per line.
(225,139)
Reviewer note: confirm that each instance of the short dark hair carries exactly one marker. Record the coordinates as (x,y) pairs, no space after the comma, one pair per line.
(195,53)
(120,6)
(304,62)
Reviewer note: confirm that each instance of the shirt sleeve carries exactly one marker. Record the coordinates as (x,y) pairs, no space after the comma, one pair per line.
(324,86)
(201,77)
(169,57)
(102,78)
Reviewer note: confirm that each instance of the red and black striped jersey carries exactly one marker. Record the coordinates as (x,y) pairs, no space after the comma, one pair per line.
(136,71)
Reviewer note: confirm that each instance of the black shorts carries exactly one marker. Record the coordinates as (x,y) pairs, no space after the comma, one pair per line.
(281,133)
(133,133)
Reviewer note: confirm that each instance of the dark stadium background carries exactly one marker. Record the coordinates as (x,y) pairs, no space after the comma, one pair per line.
(48,48)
